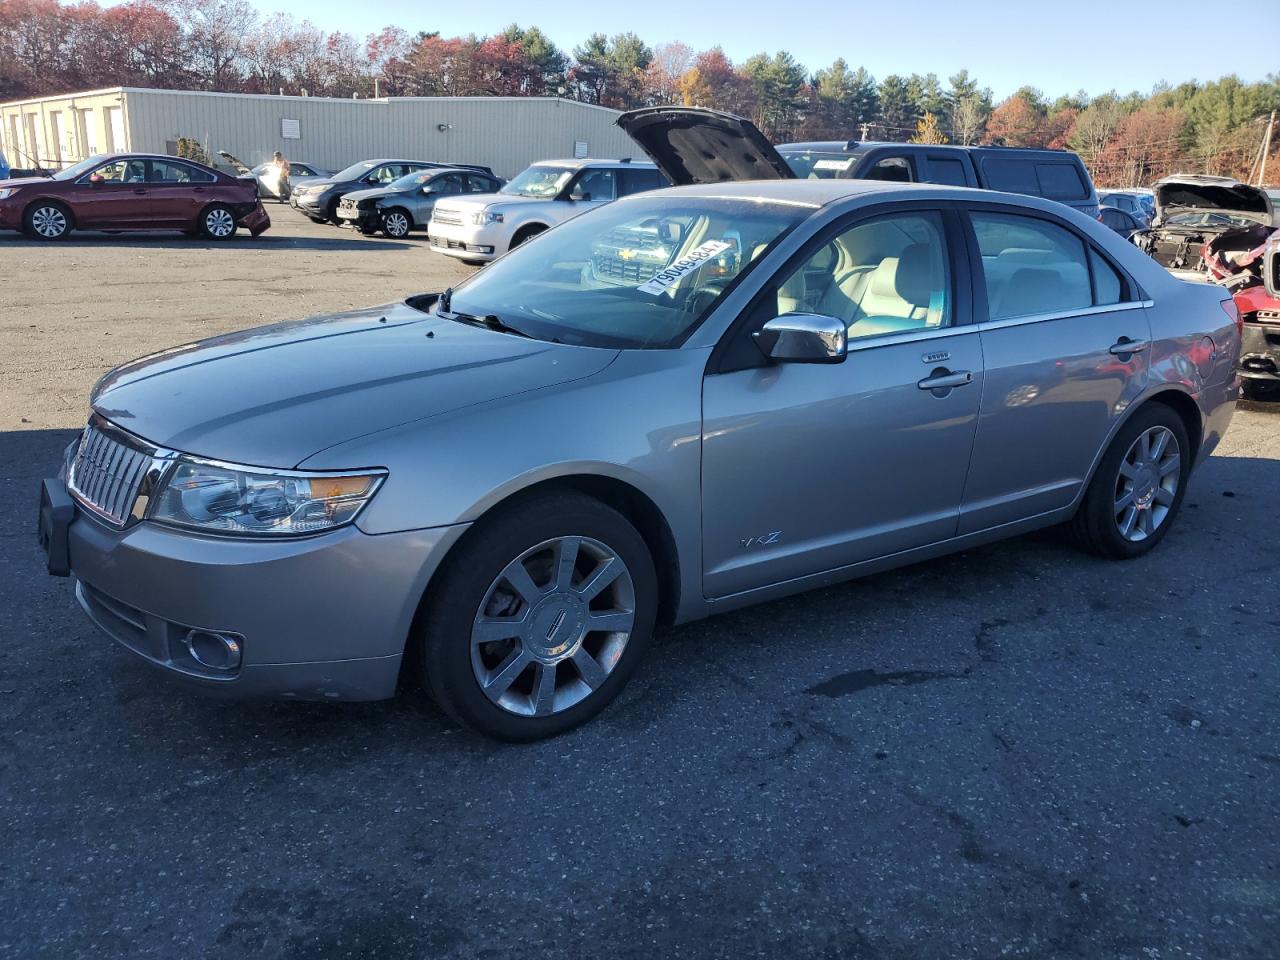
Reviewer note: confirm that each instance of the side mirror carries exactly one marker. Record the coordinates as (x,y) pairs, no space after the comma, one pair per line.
(371,178)
(428,190)
(803,338)
(579,195)
(96,179)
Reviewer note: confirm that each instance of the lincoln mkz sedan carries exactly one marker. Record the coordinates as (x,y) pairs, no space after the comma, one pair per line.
(132,191)
(683,402)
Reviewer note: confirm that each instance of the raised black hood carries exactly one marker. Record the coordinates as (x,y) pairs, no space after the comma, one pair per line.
(694,145)
(1185,192)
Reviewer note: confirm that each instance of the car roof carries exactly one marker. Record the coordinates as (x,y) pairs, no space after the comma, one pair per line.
(579,163)
(862,146)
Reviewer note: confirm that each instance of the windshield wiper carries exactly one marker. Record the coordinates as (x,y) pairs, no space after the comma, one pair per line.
(487,320)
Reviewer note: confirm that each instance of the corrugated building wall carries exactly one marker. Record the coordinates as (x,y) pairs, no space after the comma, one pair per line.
(505,133)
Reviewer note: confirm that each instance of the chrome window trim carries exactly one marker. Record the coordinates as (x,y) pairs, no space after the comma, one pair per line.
(1062,314)
(907,336)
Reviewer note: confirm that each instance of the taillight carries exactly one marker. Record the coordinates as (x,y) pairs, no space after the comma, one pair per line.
(1231,310)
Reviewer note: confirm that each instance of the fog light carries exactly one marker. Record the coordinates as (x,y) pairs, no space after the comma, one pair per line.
(477,248)
(217,651)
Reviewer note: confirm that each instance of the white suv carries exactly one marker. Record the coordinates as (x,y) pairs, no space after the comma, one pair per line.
(482,227)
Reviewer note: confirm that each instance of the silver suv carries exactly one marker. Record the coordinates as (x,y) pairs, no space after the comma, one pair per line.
(479,228)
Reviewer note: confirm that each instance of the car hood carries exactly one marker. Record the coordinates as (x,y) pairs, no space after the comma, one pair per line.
(276,395)
(481,201)
(694,145)
(373,194)
(1175,195)
(23,181)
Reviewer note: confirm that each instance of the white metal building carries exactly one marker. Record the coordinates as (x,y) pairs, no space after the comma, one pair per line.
(505,133)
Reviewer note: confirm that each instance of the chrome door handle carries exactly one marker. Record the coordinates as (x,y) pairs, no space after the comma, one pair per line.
(1125,345)
(141,192)
(945,381)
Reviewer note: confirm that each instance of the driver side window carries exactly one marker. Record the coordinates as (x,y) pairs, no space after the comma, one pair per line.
(881,276)
(122,171)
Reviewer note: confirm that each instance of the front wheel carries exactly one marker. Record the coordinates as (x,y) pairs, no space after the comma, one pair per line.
(218,222)
(540,618)
(47,221)
(1138,488)
(396,224)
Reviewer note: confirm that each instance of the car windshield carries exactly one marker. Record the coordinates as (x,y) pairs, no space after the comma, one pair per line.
(539,181)
(819,164)
(1203,219)
(356,170)
(84,166)
(637,273)
(411,180)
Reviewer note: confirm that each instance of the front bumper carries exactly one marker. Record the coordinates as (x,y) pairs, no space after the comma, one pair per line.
(367,220)
(1260,352)
(466,242)
(318,618)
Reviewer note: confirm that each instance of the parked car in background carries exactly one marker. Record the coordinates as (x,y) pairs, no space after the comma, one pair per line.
(4,167)
(268,176)
(405,204)
(1191,210)
(702,134)
(1121,221)
(502,488)
(1247,263)
(132,191)
(479,229)
(1140,203)
(319,199)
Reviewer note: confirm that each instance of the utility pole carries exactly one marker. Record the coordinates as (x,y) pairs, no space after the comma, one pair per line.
(865,127)
(1266,148)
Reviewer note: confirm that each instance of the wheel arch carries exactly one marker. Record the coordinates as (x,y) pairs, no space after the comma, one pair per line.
(1170,395)
(398,208)
(527,230)
(58,201)
(638,507)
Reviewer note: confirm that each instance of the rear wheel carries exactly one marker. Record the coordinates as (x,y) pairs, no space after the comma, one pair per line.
(540,618)
(218,222)
(47,220)
(396,224)
(1136,493)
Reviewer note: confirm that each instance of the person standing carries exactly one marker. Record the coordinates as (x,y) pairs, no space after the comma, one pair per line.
(281,166)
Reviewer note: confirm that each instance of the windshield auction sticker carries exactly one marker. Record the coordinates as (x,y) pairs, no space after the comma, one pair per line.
(833,164)
(665,278)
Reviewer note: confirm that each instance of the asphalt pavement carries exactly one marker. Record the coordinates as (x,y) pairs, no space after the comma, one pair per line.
(1019,751)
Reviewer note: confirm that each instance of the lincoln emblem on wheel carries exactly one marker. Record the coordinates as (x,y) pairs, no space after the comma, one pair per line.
(501,492)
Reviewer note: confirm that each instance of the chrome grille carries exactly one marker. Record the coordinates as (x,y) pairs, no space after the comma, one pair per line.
(106,474)
(446,216)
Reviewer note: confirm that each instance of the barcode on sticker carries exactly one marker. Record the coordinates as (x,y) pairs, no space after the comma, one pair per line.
(690,262)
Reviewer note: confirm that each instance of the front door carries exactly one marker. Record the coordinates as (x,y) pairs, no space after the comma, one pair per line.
(809,467)
(1065,337)
(114,195)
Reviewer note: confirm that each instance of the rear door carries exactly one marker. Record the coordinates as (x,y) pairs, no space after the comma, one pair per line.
(116,194)
(179,192)
(1065,340)
(811,467)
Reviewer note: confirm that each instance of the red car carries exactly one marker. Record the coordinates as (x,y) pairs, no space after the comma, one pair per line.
(132,191)
(1247,262)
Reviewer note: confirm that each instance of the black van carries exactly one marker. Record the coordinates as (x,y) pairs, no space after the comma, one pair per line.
(703,146)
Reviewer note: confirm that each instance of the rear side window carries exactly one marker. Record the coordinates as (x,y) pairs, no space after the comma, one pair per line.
(1031,266)
(948,171)
(896,169)
(1108,285)
(164,171)
(637,181)
(1061,181)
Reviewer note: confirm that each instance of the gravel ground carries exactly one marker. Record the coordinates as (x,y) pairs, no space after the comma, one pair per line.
(1019,751)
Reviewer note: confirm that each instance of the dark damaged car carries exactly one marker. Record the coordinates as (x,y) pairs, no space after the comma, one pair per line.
(1199,215)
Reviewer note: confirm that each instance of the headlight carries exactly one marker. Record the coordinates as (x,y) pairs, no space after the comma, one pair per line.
(247,501)
(483,218)
(7,192)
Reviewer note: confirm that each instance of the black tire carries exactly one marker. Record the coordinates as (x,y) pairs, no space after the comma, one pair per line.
(41,221)
(1094,527)
(217,222)
(525,233)
(455,600)
(1259,391)
(397,223)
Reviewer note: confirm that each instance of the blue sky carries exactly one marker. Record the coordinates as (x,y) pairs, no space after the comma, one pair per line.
(1058,47)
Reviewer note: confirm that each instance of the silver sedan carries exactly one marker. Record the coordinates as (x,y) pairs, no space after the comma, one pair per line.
(683,402)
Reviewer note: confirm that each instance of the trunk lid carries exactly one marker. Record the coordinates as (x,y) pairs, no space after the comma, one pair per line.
(693,145)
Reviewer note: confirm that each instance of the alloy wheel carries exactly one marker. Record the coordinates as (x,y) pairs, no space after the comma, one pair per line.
(397,224)
(219,223)
(1147,483)
(49,222)
(552,626)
